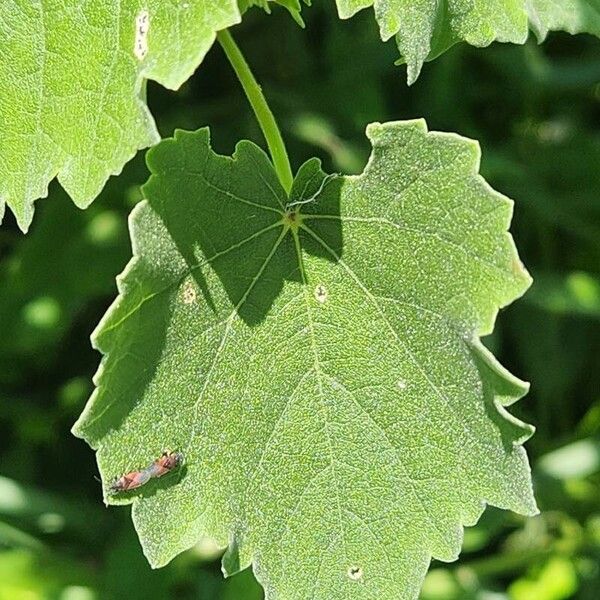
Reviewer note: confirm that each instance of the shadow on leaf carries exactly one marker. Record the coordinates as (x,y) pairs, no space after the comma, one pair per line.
(228,216)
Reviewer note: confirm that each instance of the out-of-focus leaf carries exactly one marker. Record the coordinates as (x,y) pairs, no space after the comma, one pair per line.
(579,459)
(573,294)
(441,584)
(13,537)
(26,575)
(319,132)
(42,290)
(46,511)
(556,580)
(590,423)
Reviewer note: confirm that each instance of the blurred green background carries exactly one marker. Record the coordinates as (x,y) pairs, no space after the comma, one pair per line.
(536,112)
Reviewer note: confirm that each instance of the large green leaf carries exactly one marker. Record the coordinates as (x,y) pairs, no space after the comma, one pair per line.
(426,28)
(72,101)
(317,360)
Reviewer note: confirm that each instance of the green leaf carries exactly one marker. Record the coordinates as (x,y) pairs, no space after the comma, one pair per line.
(574,16)
(73,78)
(425,29)
(317,361)
(576,294)
(556,580)
(293,6)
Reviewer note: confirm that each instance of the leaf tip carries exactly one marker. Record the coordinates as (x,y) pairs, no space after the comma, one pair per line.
(24,213)
(413,70)
(507,386)
(165,153)
(377,132)
(23,217)
(506,389)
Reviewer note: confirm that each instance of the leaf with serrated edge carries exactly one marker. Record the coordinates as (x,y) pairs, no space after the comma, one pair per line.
(424,29)
(574,16)
(316,360)
(72,101)
(293,6)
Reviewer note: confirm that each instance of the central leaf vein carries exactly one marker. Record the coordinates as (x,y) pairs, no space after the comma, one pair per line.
(319,374)
(401,342)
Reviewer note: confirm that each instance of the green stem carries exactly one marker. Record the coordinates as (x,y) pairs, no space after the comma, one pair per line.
(261,109)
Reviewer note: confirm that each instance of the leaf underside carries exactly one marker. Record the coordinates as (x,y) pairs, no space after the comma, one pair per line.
(72,101)
(424,29)
(316,359)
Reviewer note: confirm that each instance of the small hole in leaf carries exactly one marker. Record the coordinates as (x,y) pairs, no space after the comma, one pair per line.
(355,573)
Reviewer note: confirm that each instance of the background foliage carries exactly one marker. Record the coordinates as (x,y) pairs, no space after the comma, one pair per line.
(534,111)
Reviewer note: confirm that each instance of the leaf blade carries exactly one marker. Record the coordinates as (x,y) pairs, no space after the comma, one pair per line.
(332,392)
(75,104)
(573,16)
(423,30)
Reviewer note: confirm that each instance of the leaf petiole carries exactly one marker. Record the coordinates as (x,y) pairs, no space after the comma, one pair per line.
(261,109)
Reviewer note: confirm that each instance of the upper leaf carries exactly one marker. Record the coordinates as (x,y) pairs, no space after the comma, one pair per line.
(424,28)
(293,6)
(72,101)
(316,359)
(574,16)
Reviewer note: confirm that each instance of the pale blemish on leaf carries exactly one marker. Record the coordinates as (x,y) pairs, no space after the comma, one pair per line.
(321,294)
(188,293)
(142,26)
(401,384)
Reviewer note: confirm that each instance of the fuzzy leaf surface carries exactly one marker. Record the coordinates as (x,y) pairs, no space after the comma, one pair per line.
(574,16)
(424,29)
(317,361)
(72,101)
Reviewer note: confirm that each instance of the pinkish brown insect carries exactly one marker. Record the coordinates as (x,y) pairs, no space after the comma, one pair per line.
(135,479)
